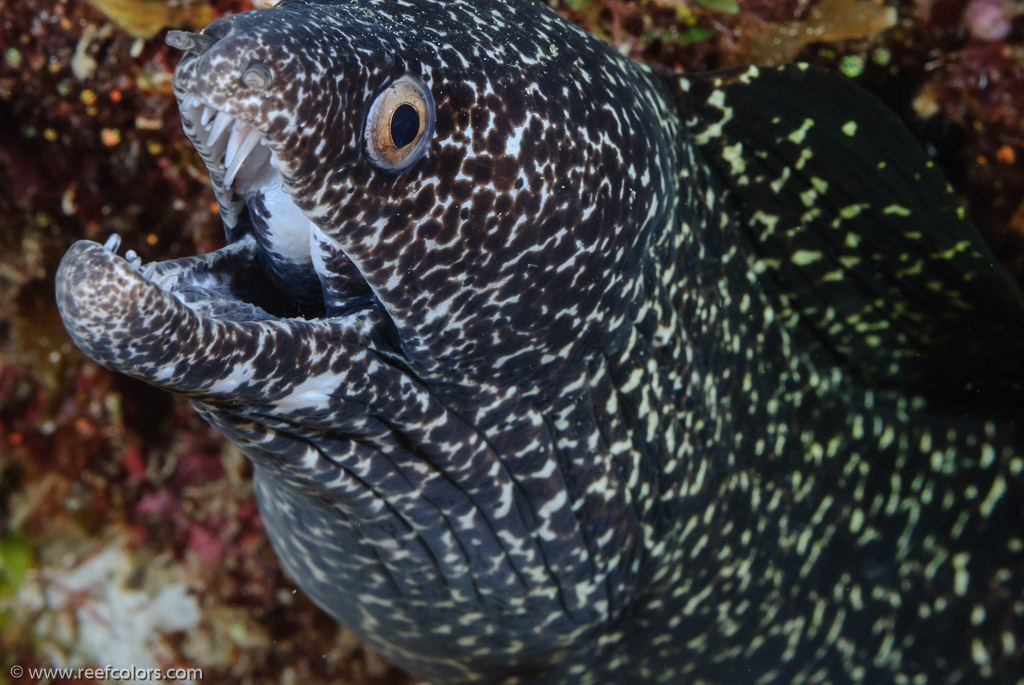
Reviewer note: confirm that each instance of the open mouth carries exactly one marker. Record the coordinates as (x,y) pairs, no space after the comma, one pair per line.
(277,265)
(281,286)
(278,262)
(247,181)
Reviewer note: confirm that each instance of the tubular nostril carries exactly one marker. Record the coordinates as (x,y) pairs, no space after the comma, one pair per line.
(196,43)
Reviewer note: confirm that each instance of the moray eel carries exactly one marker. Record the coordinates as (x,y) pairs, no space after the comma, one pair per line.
(553,368)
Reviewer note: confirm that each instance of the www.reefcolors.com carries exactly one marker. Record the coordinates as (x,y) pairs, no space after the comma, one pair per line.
(109,673)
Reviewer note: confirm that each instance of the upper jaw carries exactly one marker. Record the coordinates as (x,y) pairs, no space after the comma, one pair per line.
(235,152)
(227,126)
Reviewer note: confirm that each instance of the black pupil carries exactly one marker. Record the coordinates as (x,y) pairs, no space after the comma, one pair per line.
(405,124)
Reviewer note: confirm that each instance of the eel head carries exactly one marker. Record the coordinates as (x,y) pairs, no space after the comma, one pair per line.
(437,250)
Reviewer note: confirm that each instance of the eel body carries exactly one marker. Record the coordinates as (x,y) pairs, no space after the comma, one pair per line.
(556,369)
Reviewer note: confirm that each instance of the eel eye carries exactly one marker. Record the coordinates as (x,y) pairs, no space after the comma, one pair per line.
(400,124)
(258,77)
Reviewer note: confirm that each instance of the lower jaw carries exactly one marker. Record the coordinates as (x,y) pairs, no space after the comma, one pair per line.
(167,323)
(233,283)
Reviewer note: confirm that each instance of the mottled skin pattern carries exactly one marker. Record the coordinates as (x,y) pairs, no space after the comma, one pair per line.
(602,389)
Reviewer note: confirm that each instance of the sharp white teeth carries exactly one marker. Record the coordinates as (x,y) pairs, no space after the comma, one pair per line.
(147,272)
(234,158)
(220,124)
(205,117)
(189,102)
(233,140)
(113,242)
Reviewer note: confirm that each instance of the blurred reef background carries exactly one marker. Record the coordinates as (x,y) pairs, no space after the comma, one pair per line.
(128,531)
